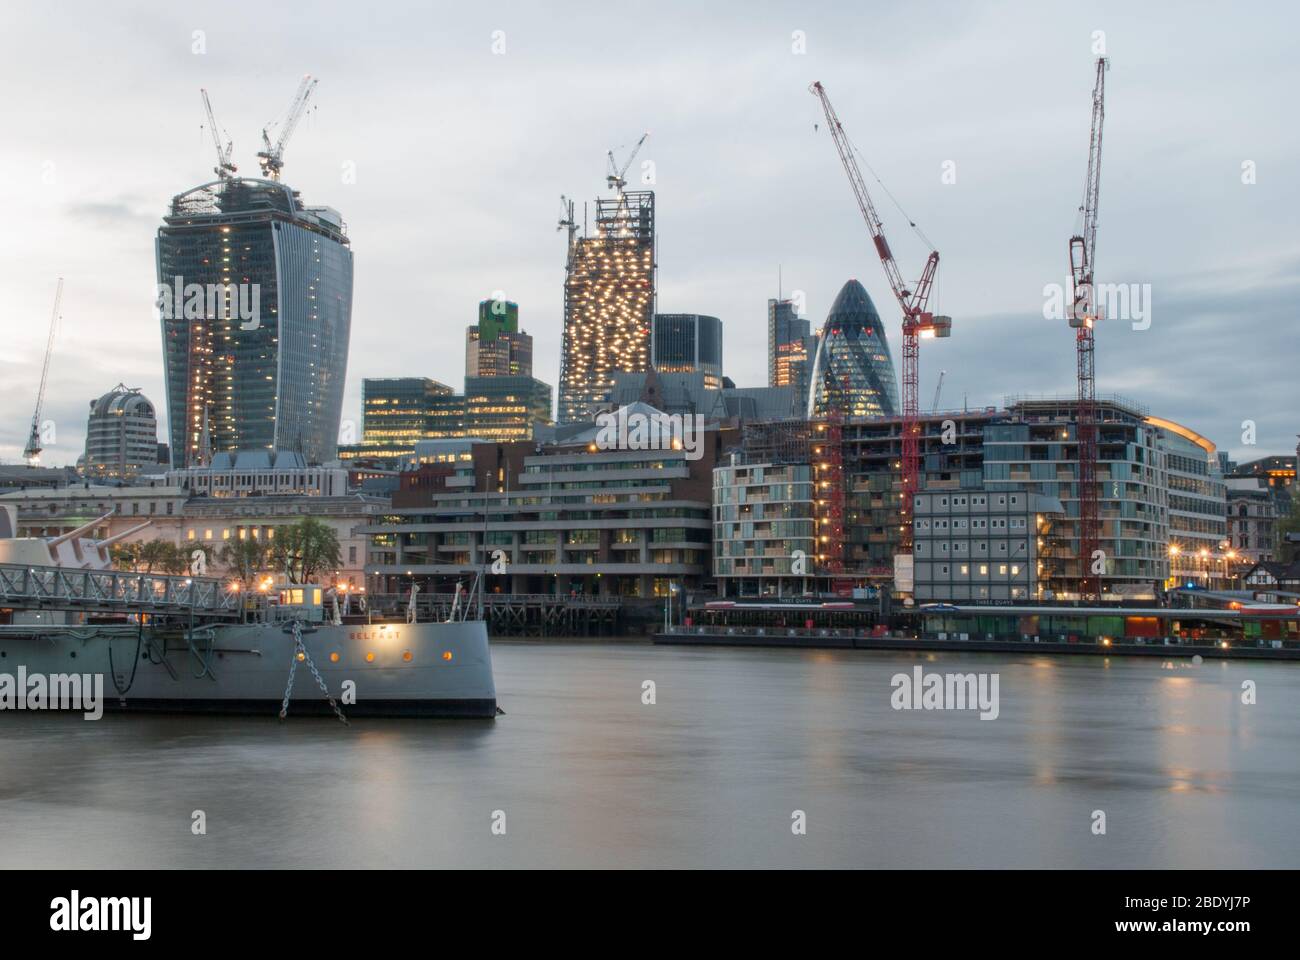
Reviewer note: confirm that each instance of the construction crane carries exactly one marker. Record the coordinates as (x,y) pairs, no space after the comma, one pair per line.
(937,387)
(616,174)
(32,453)
(224,168)
(567,221)
(1084,313)
(272,157)
(918,322)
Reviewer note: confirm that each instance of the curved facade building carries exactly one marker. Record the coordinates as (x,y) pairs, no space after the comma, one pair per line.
(255,300)
(853,373)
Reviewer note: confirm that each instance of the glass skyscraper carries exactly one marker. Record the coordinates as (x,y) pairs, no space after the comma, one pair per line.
(255,298)
(853,373)
(790,349)
(689,343)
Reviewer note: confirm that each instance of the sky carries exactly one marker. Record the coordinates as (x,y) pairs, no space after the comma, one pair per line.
(446,133)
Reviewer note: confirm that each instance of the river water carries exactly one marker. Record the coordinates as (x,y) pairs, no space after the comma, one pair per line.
(582,773)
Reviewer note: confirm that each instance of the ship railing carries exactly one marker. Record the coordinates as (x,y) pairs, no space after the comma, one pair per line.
(23,586)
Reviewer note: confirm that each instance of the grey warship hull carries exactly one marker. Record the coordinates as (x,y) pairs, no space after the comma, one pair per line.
(372,670)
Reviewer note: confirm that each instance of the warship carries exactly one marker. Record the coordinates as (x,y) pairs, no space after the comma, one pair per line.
(195,644)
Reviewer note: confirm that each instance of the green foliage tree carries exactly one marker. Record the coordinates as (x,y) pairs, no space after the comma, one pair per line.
(154,556)
(306,548)
(243,559)
(126,556)
(175,560)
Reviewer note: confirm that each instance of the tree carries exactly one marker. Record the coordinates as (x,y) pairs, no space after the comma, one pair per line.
(306,548)
(243,558)
(126,556)
(154,554)
(175,560)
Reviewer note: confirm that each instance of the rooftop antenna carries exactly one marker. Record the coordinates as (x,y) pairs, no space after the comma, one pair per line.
(224,168)
(271,157)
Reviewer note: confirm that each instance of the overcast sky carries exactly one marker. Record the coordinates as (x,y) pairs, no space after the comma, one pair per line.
(461,154)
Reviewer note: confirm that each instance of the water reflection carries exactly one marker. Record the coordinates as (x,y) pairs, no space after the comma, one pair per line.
(588,775)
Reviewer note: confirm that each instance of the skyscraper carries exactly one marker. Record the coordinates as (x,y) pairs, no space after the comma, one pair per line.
(787,340)
(121,435)
(609,300)
(495,346)
(790,348)
(853,372)
(255,302)
(689,343)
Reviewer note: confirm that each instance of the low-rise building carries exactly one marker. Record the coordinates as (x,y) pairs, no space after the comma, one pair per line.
(1252,519)
(261,473)
(558,519)
(192,522)
(984,546)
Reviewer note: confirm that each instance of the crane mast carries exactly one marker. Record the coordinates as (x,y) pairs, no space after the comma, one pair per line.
(938,388)
(271,157)
(224,168)
(568,223)
(32,452)
(917,320)
(1084,313)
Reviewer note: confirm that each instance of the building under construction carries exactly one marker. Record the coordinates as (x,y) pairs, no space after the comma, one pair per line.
(609,303)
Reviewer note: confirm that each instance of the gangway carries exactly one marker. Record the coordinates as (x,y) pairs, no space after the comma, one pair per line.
(24,587)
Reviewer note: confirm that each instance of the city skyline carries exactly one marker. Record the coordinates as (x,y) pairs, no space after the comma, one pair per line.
(1220,295)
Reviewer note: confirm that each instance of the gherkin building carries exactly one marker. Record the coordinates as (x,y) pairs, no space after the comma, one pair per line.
(853,373)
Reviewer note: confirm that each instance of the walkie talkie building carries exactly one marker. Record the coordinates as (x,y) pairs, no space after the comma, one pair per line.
(255,302)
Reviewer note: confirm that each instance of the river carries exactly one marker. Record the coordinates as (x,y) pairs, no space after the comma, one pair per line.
(579,772)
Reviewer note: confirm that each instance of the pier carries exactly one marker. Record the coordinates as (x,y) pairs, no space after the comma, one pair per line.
(518,614)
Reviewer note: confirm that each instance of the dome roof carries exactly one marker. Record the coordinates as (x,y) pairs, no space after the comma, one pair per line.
(853,372)
(122,401)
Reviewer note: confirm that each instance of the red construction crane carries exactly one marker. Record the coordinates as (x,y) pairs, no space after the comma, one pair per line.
(917,321)
(1084,313)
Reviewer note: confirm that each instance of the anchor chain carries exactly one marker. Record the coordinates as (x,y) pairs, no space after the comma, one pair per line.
(300,648)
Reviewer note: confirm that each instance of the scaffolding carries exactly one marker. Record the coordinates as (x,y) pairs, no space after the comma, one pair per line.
(609,304)
(828,475)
